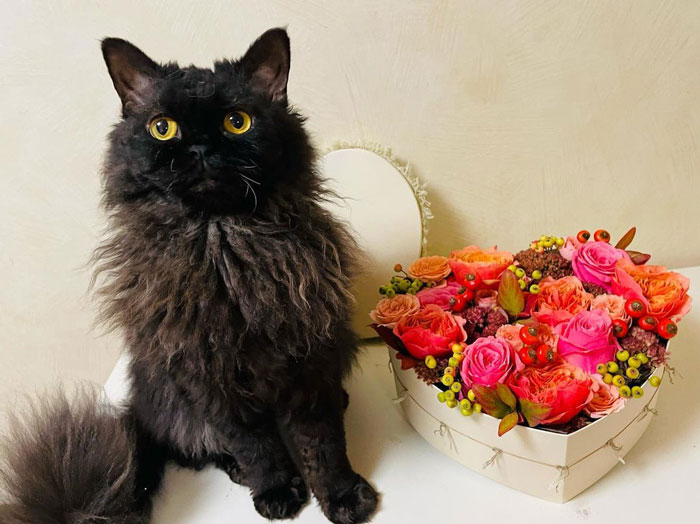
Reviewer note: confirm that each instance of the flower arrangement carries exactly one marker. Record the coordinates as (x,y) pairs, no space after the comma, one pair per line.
(556,336)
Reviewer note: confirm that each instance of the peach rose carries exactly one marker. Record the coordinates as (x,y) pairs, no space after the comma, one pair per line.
(430,269)
(559,300)
(614,305)
(390,310)
(606,399)
(488,264)
(430,331)
(665,293)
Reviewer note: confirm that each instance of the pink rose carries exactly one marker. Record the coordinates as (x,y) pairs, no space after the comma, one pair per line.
(587,340)
(439,295)
(487,361)
(613,304)
(594,262)
(606,399)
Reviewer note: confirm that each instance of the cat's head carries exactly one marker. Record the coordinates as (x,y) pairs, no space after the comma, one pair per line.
(220,141)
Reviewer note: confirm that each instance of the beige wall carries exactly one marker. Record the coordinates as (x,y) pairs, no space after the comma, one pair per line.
(524,118)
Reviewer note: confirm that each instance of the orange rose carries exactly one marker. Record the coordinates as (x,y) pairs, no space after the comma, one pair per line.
(664,292)
(390,310)
(559,300)
(489,264)
(430,269)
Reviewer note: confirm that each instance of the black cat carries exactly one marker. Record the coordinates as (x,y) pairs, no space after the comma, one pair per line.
(230,284)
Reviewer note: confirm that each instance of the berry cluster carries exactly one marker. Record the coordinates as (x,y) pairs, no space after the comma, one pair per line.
(547,243)
(628,372)
(535,351)
(526,281)
(600,235)
(402,284)
(465,293)
(636,309)
(467,405)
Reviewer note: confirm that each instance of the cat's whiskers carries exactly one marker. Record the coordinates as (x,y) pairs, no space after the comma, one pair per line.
(249,189)
(249,179)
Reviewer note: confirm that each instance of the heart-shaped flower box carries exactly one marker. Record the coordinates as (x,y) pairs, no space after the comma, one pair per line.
(551,466)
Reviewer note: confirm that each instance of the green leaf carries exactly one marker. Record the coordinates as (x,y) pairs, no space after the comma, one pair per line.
(490,401)
(637,257)
(510,296)
(506,395)
(507,423)
(626,239)
(533,412)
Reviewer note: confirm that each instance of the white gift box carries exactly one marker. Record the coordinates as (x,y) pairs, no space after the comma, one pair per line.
(551,466)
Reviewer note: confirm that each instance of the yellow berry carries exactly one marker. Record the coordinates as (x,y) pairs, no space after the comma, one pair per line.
(520,272)
(465,404)
(642,358)
(430,362)
(456,348)
(632,373)
(477,408)
(447,380)
(450,371)
(602,368)
(637,392)
(625,391)
(471,396)
(608,378)
(613,367)
(617,380)
(449,395)
(451,403)
(456,387)
(655,381)
(634,362)
(559,241)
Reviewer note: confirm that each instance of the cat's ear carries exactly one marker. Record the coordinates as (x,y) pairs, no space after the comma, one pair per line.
(266,64)
(132,72)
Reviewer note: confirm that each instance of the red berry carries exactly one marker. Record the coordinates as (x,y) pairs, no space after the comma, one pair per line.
(529,335)
(544,354)
(583,236)
(635,308)
(457,303)
(667,328)
(527,355)
(620,328)
(648,323)
(601,236)
(467,295)
(472,280)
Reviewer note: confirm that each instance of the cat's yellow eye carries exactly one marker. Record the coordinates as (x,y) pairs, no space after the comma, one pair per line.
(163,128)
(237,122)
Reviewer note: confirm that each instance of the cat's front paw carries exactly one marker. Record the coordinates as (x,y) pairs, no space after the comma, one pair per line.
(282,502)
(352,505)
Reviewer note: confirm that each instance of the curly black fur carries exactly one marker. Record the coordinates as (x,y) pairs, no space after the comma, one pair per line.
(230,284)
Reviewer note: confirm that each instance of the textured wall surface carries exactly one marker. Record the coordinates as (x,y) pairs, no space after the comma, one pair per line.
(524,117)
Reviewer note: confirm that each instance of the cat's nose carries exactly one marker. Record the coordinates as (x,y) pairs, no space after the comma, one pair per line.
(199,151)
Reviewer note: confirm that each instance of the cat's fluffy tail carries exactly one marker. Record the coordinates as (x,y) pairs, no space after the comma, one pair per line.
(70,462)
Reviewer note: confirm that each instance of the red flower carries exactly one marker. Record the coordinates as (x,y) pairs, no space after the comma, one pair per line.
(564,388)
(430,331)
